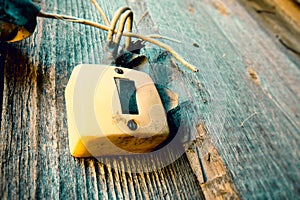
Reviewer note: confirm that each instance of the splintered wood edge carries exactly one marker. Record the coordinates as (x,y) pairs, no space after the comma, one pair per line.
(209,167)
(289,10)
(280,18)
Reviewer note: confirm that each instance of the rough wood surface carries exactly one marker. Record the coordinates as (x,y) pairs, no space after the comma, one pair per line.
(244,79)
(281,20)
(35,159)
(209,168)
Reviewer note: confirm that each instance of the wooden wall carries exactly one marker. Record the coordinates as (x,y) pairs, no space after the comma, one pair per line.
(241,108)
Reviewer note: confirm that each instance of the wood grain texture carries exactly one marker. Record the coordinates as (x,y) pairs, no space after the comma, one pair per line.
(280,19)
(241,72)
(263,155)
(209,168)
(213,177)
(35,158)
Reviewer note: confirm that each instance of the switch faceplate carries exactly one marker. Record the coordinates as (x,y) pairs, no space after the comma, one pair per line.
(113,111)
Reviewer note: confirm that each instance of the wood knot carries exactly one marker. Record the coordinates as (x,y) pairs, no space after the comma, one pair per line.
(191,9)
(201,131)
(221,8)
(253,75)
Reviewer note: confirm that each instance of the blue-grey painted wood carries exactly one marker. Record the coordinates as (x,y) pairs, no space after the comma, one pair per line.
(243,75)
(35,158)
(240,64)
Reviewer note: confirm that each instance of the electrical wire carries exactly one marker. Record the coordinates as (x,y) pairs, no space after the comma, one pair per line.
(128,34)
(101,12)
(114,22)
(128,15)
(106,22)
(112,45)
(156,36)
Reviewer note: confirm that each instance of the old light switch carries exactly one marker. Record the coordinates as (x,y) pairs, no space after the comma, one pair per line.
(113,111)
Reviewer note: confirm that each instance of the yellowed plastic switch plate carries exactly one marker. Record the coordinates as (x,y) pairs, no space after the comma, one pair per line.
(113,111)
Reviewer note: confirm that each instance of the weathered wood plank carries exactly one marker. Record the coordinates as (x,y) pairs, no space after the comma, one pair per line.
(263,156)
(242,71)
(217,183)
(209,168)
(280,19)
(35,159)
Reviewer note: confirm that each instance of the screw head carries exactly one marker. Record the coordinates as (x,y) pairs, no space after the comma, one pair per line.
(119,71)
(132,125)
